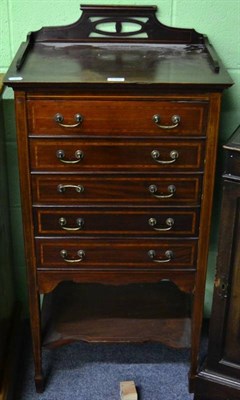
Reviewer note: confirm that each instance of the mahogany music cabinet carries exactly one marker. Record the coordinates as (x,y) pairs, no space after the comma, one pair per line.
(117,120)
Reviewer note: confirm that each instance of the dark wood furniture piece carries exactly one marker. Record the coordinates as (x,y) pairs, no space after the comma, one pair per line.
(117,133)
(219,378)
(7,298)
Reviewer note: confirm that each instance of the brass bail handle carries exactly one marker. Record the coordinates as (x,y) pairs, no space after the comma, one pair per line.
(153,189)
(168,254)
(63,222)
(80,255)
(60,154)
(62,188)
(175,119)
(169,223)
(155,154)
(59,118)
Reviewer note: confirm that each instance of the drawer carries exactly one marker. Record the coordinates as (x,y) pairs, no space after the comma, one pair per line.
(112,190)
(108,117)
(114,254)
(132,155)
(150,222)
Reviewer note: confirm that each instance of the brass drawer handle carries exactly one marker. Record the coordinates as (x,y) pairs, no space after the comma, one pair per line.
(80,254)
(175,120)
(62,188)
(153,189)
(169,222)
(60,154)
(59,118)
(173,155)
(79,221)
(168,255)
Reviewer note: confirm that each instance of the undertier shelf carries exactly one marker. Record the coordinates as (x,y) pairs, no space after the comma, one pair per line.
(134,313)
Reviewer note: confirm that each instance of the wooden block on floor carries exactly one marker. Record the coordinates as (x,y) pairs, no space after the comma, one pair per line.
(128,391)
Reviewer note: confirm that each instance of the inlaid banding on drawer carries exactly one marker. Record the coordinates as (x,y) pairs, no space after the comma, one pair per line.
(79,221)
(104,190)
(133,155)
(140,253)
(117,117)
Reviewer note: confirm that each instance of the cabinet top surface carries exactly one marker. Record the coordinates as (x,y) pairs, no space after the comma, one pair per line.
(136,50)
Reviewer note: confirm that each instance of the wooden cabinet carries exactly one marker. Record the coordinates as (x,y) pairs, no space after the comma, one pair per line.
(117,154)
(219,378)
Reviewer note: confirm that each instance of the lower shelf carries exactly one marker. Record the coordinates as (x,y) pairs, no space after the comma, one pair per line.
(132,313)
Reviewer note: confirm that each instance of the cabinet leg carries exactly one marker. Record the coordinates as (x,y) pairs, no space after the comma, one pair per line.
(35,318)
(196,335)
(39,383)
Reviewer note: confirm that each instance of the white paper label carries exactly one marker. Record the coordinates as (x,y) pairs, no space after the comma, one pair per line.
(15,78)
(117,79)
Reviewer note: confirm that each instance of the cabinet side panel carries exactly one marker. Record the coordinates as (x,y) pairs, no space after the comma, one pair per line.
(205,223)
(26,199)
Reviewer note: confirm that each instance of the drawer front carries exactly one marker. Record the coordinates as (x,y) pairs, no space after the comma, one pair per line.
(112,117)
(79,221)
(104,190)
(147,254)
(64,155)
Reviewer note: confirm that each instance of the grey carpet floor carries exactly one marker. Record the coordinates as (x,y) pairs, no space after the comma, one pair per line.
(84,371)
